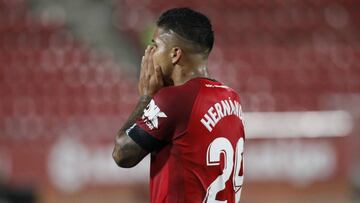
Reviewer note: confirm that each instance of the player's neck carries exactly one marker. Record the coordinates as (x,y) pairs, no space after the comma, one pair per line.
(182,74)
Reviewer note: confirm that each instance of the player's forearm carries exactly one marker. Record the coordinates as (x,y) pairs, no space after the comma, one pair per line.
(137,112)
(125,154)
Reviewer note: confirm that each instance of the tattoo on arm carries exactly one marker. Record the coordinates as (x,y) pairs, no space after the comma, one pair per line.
(138,111)
(126,152)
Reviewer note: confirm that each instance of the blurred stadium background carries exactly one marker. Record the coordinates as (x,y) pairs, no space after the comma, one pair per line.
(68,76)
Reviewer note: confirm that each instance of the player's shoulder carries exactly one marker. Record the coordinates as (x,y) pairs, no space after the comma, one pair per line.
(177,100)
(189,88)
(213,85)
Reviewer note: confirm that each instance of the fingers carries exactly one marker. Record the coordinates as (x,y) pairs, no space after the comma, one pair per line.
(151,68)
(151,78)
(148,62)
(142,69)
(158,74)
(144,63)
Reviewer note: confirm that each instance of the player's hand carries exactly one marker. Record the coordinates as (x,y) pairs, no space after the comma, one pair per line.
(151,78)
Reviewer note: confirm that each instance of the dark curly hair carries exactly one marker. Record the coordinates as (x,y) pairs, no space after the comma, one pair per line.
(190,25)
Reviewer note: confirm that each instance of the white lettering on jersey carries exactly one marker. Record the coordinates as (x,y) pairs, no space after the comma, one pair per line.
(218,86)
(151,114)
(220,110)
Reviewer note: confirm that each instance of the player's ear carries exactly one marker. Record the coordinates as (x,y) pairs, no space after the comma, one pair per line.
(175,55)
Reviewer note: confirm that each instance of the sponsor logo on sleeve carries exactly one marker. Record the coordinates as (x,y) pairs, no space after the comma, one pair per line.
(151,115)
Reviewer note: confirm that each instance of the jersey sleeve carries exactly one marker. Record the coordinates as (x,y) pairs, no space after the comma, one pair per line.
(165,117)
(168,113)
(161,116)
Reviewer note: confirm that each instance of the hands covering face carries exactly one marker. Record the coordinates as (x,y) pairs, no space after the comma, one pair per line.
(151,77)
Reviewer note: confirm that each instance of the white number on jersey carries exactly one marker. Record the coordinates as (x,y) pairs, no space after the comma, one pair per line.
(217,147)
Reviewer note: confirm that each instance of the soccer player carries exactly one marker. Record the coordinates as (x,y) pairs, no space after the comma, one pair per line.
(190,124)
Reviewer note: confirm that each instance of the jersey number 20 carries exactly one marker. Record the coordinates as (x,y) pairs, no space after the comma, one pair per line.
(223,146)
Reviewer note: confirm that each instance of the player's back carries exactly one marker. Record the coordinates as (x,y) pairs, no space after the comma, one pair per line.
(203,162)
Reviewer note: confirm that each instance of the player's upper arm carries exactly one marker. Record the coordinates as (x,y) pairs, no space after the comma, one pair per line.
(148,134)
(165,116)
(168,113)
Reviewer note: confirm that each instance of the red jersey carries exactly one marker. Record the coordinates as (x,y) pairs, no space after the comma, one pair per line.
(200,127)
